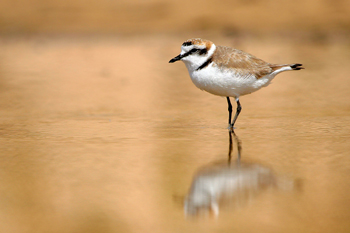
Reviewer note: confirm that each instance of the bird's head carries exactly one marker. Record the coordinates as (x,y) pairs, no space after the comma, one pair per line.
(195,52)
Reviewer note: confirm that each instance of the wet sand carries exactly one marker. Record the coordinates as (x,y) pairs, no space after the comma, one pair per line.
(101,134)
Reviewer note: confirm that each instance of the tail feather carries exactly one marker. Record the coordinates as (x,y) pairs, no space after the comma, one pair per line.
(297,66)
(284,67)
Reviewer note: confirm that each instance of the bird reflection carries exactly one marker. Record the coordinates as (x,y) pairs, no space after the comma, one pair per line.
(229,182)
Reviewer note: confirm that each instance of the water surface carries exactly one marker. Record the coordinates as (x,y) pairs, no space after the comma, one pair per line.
(101,134)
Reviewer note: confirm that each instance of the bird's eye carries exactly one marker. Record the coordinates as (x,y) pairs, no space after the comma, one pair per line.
(203,51)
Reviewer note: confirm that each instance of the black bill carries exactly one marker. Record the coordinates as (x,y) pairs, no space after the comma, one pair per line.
(176,58)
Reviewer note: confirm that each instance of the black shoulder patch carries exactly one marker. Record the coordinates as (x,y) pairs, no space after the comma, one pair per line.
(205,64)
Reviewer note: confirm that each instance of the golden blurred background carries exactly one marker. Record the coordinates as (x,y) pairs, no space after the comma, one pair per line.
(155,16)
(98,133)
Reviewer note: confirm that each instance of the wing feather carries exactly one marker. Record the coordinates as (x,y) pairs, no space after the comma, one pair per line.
(243,63)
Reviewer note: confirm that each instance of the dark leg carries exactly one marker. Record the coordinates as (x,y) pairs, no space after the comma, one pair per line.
(239,108)
(229,110)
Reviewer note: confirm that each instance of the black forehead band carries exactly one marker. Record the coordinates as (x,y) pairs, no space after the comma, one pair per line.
(187,43)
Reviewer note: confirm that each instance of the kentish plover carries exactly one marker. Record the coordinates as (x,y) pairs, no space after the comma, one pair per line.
(228,72)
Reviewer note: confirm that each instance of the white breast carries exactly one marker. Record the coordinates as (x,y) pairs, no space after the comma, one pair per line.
(227,82)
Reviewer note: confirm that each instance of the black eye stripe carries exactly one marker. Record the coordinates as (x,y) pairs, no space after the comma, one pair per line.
(194,50)
(201,51)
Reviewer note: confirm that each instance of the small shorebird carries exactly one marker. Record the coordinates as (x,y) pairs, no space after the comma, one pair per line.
(228,72)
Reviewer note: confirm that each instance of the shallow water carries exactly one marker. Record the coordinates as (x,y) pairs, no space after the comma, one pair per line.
(101,134)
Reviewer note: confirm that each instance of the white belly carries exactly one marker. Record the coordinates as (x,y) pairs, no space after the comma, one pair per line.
(227,83)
